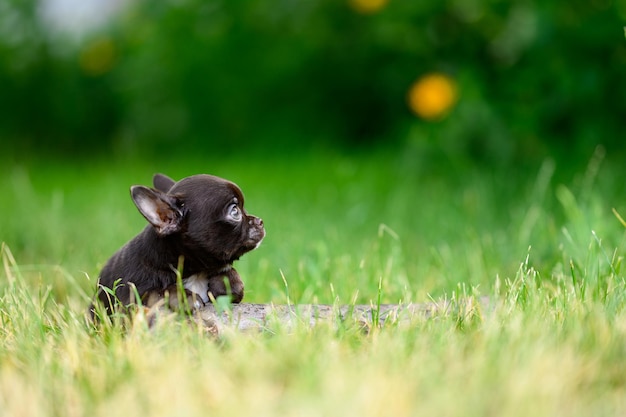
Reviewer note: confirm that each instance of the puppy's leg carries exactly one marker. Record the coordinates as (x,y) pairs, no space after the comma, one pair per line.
(193,300)
(159,304)
(217,287)
(171,295)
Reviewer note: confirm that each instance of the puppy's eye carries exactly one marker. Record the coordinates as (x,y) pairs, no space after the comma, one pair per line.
(234,213)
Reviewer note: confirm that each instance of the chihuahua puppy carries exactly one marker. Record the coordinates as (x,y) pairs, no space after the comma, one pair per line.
(198,222)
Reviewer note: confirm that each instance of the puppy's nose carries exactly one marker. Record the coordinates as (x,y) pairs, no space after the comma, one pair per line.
(256,221)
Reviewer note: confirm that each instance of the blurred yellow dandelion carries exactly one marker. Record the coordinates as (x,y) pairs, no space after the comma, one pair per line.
(432,96)
(97,57)
(367,6)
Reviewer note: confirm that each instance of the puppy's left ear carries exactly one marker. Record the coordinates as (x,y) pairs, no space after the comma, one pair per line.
(163,211)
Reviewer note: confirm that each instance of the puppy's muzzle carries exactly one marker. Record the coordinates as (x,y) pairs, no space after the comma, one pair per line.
(256,231)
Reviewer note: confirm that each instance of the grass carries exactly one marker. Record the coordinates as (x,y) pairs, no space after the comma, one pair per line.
(370,228)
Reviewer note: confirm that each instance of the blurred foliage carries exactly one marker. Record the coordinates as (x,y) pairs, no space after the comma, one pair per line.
(529,78)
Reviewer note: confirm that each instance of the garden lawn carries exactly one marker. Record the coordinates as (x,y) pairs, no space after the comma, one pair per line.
(545,249)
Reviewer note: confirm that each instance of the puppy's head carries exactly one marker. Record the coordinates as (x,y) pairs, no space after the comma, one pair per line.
(207,212)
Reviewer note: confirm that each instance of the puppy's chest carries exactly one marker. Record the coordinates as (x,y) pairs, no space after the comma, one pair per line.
(199,283)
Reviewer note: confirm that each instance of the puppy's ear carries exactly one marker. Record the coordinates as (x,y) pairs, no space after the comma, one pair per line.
(163,211)
(162,182)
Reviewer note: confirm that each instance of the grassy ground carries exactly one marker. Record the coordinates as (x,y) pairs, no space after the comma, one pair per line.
(545,247)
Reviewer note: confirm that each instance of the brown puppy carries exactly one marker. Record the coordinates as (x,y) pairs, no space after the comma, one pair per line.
(199,220)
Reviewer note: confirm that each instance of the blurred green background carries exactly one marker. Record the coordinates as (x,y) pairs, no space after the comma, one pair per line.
(421,142)
(533,78)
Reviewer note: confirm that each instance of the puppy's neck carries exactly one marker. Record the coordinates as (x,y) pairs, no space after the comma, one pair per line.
(166,251)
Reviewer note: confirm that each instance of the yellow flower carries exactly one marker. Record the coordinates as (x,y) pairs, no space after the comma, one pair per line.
(367,6)
(432,96)
(97,57)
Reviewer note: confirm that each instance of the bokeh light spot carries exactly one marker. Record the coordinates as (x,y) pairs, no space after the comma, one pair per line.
(432,96)
(368,6)
(97,57)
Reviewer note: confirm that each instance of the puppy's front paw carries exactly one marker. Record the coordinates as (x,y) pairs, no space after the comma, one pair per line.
(217,286)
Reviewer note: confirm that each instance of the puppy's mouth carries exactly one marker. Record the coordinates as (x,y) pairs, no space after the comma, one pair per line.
(255,237)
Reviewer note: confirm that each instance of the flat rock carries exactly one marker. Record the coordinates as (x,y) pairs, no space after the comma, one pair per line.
(247,316)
